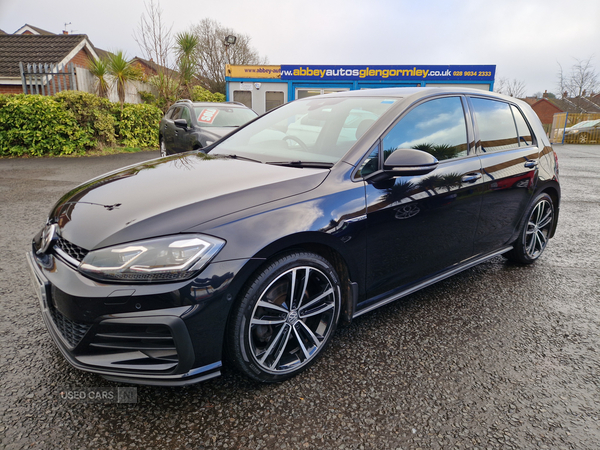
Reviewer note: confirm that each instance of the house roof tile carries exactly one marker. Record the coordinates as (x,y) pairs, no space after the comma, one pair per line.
(575,105)
(34,49)
(33,30)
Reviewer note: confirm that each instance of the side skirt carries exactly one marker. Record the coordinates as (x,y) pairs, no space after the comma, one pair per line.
(442,276)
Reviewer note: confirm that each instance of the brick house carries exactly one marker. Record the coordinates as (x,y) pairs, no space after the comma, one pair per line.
(33,45)
(544,108)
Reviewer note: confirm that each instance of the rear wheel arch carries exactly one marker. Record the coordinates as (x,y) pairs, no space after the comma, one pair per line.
(554,194)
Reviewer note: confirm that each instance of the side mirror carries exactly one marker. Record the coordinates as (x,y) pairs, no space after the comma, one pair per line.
(408,162)
(405,162)
(181,123)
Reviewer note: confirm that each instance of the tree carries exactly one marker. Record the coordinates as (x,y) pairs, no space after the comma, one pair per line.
(122,71)
(213,54)
(99,69)
(513,88)
(185,49)
(156,43)
(581,81)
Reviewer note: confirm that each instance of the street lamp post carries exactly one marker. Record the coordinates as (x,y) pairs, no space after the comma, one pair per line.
(229,40)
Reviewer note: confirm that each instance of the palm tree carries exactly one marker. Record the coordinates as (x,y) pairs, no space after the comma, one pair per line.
(431,183)
(123,71)
(186,46)
(400,190)
(99,69)
(451,180)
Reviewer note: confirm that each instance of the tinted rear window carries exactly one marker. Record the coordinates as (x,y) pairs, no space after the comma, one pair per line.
(497,130)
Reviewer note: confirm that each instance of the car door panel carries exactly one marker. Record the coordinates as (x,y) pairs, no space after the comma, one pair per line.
(509,161)
(420,225)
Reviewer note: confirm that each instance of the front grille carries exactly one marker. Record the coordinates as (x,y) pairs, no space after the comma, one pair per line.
(73,332)
(70,249)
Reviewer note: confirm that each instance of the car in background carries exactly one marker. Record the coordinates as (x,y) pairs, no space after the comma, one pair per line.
(583,132)
(191,125)
(322,210)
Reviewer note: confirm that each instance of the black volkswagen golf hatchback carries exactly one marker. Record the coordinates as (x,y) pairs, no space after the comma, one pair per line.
(256,248)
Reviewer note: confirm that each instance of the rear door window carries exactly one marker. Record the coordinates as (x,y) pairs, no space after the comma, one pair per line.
(525,138)
(496,125)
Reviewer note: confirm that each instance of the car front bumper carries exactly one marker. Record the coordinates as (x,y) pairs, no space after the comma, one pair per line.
(168,335)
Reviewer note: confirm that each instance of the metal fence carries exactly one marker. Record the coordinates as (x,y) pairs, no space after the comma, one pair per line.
(47,79)
(575,128)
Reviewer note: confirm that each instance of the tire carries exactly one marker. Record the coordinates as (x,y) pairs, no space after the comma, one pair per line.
(535,231)
(582,138)
(163,149)
(273,335)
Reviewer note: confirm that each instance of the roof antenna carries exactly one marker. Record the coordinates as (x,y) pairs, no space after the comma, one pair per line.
(65,30)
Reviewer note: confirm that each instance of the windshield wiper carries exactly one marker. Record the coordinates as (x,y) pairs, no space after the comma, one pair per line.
(311,164)
(243,158)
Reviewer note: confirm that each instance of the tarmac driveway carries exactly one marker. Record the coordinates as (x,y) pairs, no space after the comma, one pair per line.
(499,356)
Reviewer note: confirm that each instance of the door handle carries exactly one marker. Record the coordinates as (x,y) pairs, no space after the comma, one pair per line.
(531,164)
(471,177)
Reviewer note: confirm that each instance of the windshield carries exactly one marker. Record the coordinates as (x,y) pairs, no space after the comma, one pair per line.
(319,129)
(218,116)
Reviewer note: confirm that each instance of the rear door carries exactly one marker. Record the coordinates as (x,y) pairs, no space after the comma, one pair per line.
(509,156)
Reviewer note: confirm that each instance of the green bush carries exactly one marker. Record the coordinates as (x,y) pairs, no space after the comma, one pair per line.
(199,94)
(38,125)
(93,113)
(137,125)
(72,122)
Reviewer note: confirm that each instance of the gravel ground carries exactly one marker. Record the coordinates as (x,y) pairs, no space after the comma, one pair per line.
(499,356)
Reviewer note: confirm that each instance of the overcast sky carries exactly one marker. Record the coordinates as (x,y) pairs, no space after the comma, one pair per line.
(525,39)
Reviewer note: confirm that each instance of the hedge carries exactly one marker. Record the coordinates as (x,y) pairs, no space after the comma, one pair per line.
(71,123)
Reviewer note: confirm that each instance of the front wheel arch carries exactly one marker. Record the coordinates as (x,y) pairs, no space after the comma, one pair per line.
(284,317)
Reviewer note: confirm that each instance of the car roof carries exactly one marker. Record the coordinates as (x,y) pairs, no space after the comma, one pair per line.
(402,92)
(221,104)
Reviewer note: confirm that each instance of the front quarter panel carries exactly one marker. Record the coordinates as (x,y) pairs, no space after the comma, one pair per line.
(332,215)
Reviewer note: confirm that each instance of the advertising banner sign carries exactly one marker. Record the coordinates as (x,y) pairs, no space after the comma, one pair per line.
(388,73)
(265,71)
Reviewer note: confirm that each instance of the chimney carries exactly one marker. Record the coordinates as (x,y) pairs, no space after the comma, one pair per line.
(545,94)
(65,32)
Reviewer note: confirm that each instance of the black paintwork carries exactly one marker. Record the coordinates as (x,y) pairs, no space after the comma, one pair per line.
(384,233)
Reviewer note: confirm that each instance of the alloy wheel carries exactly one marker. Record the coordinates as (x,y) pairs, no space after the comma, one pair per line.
(538,229)
(292,319)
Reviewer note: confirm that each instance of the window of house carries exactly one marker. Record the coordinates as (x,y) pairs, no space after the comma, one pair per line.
(244,97)
(497,130)
(273,99)
(437,127)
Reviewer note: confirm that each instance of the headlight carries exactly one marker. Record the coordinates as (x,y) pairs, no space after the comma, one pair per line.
(172,258)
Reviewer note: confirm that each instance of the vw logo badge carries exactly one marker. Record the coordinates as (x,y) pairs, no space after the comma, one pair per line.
(47,236)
